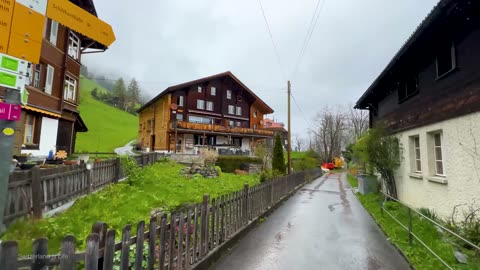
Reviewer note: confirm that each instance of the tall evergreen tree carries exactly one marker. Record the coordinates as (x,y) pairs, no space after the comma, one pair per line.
(120,93)
(133,93)
(278,160)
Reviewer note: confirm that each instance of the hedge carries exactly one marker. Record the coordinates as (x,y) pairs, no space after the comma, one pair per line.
(230,163)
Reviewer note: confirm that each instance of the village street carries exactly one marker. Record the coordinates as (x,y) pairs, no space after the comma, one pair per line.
(323,226)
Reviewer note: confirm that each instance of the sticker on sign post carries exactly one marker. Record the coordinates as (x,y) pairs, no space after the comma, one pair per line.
(24,96)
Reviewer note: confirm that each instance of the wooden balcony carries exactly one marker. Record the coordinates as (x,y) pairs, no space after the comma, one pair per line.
(222,129)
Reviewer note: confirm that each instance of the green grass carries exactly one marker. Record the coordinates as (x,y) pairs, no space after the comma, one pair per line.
(417,255)
(352,181)
(157,186)
(298,155)
(108,127)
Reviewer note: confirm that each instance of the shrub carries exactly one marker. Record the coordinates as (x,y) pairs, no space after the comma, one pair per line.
(265,176)
(278,161)
(303,164)
(229,164)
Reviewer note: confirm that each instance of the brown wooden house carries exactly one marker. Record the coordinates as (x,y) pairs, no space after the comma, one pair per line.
(51,119)
(429,97)
(218,112)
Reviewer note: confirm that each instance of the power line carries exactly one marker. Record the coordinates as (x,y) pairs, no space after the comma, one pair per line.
(310,30)
(301,112)
(273,42)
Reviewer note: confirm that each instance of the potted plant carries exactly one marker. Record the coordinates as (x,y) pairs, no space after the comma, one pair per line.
(27,165)
(22,157)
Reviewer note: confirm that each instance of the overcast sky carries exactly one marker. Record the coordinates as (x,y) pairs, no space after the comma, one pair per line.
(162,43)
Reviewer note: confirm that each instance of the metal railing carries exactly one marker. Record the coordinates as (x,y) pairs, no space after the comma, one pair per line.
(409,228)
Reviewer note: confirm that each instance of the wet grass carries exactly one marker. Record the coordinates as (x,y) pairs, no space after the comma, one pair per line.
(441,243)
(352,181)
(157,186)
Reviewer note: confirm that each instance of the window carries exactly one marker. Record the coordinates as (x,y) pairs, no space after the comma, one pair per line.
(239,124)
(255,114)
(199,89)
(229,94)
(70,88)
(231,123)
(49,79)
(53,32)
(74,46)
(231,109)
(180,101)
(199,119)
(446,60)
(207,140)
(437,153)
(36,76)
(417,163)
(213,91)
(200,104)
(179,117)
(32,129)
(254,126)
(239,110)
(408,88)
(209,106)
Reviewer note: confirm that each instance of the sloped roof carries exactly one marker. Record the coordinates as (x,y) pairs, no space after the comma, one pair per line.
(269,123)
(434,15)
(173,88)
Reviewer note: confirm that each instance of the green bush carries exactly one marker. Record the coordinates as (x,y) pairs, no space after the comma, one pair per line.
(305,163)
(266,175)
(229,164)
(278,160)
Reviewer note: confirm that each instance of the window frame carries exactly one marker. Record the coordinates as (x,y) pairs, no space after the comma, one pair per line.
(416,159)
(199,89)
(229,94)
(435,158)
(453,60)
(66,88)
(200,104)
(35,131)
(72,52)
(213,91)
(209,106)
(238,110)
(180,101)
(231,109)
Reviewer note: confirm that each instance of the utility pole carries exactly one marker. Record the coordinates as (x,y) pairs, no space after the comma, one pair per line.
(7,135)
(289,135)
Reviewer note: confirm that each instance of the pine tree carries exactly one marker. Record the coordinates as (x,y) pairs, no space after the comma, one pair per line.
(120,93)
(133,94)
(278,161)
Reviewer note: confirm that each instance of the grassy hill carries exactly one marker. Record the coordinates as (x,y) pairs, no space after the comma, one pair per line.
(108,127)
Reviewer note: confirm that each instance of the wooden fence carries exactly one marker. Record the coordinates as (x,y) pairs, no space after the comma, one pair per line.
(179,240)
(37,191)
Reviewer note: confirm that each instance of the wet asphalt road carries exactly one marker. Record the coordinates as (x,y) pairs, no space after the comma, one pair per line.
(323,226)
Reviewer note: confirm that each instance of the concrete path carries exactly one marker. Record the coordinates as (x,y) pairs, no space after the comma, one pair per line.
(125,150)
(323,226)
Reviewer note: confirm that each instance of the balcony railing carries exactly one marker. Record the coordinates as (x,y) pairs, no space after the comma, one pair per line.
(220,128)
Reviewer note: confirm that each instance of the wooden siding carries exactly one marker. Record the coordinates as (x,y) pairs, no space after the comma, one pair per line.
(258,121)
(223,129)
(453,95)
(159,114)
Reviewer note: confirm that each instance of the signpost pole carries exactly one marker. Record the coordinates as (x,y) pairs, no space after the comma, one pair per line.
(12,96)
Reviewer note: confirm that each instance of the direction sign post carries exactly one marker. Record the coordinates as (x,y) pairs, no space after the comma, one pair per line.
(12,96)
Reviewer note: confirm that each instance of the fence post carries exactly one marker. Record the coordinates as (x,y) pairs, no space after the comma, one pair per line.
(245,204)
(8,255)
(89,179)
(204,225)
(117,170)
(40,251)
(410,226)
(36,193)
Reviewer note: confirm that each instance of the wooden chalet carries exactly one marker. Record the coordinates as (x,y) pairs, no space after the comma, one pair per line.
(218,112)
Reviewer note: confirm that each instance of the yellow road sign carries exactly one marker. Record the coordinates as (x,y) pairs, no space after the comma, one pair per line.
(4,36)
(24,48)
(27,23)
(79,20)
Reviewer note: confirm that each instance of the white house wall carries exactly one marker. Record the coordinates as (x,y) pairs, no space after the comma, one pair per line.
(460,149)
(48,137)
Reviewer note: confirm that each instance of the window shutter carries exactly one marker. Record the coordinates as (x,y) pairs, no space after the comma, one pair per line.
(53,32)
(49,81)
